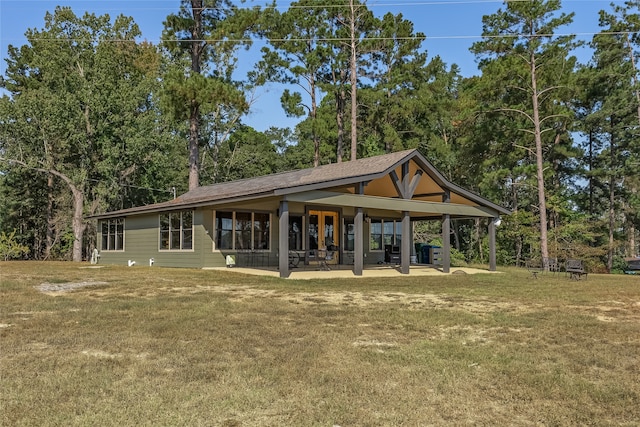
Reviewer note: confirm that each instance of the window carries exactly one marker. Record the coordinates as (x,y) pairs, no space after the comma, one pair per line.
(383,233)
(260,231)
(376,235)
(388,233)
(176,231)
(224,230)
(349,235)
(397,236)
(242,231)
(112,234)
(295,233)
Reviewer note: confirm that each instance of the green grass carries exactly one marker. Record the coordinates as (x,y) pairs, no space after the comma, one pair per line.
(165,347)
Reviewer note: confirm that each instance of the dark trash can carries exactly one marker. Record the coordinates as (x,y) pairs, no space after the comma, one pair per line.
(427,253)
(419,247)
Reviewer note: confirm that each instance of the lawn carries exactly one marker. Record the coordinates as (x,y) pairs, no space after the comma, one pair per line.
(149,346)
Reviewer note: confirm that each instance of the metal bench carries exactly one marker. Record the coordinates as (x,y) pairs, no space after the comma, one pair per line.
(535,266)
(575,269)
(551,264)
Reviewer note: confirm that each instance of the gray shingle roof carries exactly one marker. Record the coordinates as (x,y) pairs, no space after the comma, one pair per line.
(299,178)
(325,176)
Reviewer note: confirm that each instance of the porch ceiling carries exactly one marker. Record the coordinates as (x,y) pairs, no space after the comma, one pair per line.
(391,204)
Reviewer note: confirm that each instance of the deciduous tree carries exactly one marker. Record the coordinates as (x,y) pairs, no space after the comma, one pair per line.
(529,65)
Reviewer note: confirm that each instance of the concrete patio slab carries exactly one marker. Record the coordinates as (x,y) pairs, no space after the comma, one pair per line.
(344,272)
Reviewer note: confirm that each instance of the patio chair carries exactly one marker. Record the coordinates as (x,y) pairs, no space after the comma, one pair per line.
(551,265)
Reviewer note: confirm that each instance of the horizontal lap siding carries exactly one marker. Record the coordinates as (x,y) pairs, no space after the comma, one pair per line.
(141,244)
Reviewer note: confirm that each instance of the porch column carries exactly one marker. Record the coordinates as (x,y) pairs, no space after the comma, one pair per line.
(492,244)
(358,243)
(446,235)
(405,251)
(283,240)
(446,243)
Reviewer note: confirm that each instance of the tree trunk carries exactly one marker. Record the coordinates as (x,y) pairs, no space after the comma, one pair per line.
(544,250)
(636,84)
(77,222)
(519,244)
(612,198)
(340,101)
(456,236)
(197,48)
(50,219)
(354,84)
(591,178)
(479,240)
(632,57)
(314,113)
(194,153)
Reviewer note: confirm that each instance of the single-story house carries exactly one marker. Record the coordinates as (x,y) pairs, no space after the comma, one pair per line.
(361,211)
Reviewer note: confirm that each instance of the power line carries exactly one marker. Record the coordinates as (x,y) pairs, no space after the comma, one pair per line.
(171,191)
(373,4)
(268,6)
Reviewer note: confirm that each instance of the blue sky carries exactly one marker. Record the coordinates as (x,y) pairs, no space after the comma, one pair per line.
(451,26)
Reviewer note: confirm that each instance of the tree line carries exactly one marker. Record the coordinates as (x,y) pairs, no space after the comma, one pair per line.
(94,120)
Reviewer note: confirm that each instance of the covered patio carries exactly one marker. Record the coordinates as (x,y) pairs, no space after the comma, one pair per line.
(408,188)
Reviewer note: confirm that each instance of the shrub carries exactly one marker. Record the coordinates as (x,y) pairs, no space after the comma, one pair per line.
(10,248)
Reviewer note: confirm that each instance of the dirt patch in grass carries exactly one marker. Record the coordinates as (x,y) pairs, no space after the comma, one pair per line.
(612,311)
(343,298)
(605,311)
(56,288)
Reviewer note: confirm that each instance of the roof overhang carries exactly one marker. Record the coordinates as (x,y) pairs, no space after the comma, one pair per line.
(383,203)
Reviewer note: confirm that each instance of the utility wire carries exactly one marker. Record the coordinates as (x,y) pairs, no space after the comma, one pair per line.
(172,190)
(372,4)
(290,5)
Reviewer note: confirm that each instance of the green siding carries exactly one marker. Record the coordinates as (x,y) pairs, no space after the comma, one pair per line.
(142,240)
(142,244)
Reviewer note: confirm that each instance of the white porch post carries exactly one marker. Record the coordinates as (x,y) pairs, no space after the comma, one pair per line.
(283,240)
(358,243)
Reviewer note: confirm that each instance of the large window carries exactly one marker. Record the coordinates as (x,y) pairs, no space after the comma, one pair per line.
(176,231)
(296,242)
(375,228)
(349,234)
(112,234)
(224,230)
(260,231)
(242,231)
(384,232)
